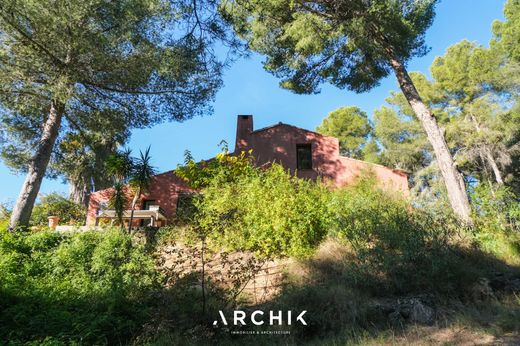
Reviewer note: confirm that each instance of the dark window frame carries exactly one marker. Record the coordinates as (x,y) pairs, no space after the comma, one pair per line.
(143,222)
(145,201)
(304,156)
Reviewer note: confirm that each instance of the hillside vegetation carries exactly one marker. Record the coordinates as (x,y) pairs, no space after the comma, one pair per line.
(363,260)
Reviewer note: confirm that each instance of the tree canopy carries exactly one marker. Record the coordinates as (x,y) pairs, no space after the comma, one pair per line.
(70,66)
(473,93)
(351,44)
(351,126)
(97,56)
(310,42)
(507,33)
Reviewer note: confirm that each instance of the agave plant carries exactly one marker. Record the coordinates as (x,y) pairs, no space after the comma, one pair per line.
(120,166)
(118,201)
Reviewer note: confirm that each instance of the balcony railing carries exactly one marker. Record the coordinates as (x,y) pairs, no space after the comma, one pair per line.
(154,213)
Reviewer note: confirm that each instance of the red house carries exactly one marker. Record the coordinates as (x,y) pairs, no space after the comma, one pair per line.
(305,153)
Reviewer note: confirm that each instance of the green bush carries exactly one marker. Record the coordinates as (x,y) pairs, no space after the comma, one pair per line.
(495,207)
(224,168)
(395,248)
(497,221)
(54,204)
(92,288)
(266,211)
(398,247)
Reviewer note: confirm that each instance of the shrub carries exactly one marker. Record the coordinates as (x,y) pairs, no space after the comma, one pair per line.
(495,208)
(266,211)
(397,248)
(224,168)
(56,205)
(497,221)
(87,287)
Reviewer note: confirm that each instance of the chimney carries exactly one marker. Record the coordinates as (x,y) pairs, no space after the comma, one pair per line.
(244,129)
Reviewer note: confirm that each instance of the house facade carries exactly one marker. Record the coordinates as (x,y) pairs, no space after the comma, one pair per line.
(305,153)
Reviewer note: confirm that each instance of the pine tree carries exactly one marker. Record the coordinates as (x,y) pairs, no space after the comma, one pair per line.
(351,126)
(66,63)
(351,44)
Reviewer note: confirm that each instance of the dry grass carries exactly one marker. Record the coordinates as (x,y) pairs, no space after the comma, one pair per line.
(344,304)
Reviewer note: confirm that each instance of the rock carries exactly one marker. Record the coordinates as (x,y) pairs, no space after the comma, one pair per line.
(513,285)
(482,290)
(421,313)
(416,310)
(413,309)
(169,264)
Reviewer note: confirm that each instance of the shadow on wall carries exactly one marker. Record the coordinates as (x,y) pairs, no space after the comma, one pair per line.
(278,144)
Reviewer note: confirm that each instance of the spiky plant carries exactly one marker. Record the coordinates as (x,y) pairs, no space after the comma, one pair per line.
(140,179)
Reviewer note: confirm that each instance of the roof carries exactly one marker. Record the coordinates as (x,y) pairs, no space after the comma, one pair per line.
(284,124)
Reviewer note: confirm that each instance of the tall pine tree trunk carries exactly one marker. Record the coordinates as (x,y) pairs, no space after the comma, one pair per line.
(37,167)
(487,154)
(491,161)
(79,192)
(453,180)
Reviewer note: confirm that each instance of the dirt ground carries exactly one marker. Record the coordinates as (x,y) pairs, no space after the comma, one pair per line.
(426,336)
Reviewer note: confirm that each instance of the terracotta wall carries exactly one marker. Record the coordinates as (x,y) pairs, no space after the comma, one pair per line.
(165,190)
(272,144)
(278,144)
(95,200)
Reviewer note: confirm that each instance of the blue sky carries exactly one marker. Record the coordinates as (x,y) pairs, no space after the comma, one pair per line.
(248,89)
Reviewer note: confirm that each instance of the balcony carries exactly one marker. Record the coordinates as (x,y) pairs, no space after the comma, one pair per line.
(154,214)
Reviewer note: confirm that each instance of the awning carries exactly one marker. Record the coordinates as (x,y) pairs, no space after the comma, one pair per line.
(138,214)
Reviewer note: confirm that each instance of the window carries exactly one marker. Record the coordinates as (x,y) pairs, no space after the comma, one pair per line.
(146,206)
(147,203)
(102,207)
(304,156)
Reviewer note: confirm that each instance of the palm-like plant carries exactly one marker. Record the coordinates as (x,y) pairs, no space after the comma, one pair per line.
(120,166)
(118,201)
(140,179)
